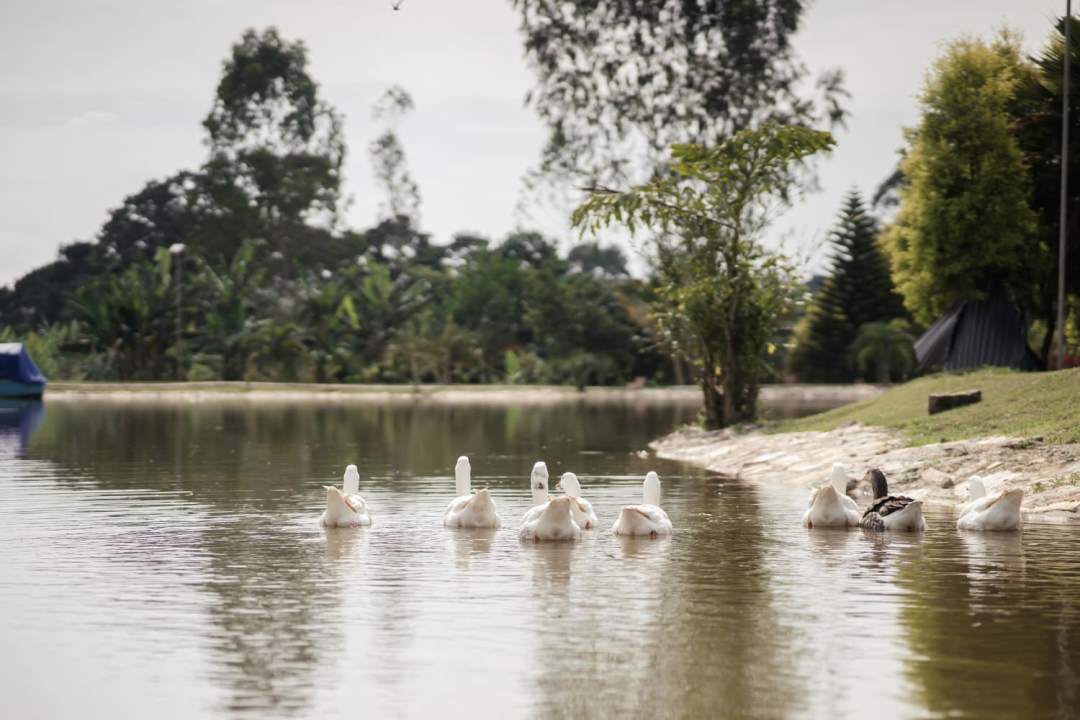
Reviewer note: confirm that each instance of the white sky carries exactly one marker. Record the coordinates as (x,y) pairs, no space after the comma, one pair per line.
(97,97)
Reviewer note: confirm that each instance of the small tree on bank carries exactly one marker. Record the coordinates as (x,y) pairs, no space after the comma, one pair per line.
(722,294)
(859,291)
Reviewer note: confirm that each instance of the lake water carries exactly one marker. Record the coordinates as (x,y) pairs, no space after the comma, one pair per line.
(164,560)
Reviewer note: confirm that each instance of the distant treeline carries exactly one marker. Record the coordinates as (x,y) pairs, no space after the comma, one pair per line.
(243,270)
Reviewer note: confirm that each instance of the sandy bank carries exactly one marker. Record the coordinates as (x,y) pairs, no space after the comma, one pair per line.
(937,474)
(809,395)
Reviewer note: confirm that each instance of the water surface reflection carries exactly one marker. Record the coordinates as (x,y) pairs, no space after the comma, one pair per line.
(166,560)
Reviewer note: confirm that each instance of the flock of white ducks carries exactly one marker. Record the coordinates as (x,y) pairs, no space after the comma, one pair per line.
(562,517)
(830,507)
(566,516)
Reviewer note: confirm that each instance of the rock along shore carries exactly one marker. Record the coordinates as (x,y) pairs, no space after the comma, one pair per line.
(936,474)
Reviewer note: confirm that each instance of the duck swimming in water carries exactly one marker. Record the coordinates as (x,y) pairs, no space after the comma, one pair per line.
(829,504)
(554,522)
(1000,511)
(645,519)
(891,512)
(581,508)
(469,510)
(345,507)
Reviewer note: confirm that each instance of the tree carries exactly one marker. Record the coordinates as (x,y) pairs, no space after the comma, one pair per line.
(886,347)
(723,293)
(593,258)
(130,317)
(228,326)
(619,80)
(276,148)
(402,196)
(859,290)
(1037,127)
(965,228)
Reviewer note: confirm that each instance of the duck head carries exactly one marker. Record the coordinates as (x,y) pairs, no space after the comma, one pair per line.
(976,489)
(462,476)
(539,483)
(839,477)
(878,483)
(652,489)
(351,480)
(569,484)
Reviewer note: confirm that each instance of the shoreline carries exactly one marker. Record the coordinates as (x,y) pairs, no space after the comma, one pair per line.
(936,473)
(813,395)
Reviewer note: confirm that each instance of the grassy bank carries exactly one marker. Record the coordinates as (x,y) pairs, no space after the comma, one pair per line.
(1030,405)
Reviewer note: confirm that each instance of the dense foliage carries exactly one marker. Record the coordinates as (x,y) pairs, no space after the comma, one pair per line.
(241,270)
(722,294)
(619,82)
(858,290)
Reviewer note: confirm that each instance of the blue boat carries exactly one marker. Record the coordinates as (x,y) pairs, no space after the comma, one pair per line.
(19,376)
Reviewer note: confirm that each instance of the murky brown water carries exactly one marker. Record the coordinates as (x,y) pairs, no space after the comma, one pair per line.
(165,561)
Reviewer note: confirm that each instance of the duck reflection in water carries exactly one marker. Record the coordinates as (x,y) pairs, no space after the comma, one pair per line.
(342,543)
(471,544)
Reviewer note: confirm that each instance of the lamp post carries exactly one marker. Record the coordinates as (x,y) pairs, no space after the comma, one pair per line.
(1063,217)
(177,251)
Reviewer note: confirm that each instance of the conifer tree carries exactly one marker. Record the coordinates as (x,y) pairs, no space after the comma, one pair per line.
(859,290)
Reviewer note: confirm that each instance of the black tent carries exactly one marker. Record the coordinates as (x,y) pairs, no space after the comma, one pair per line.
(973,334)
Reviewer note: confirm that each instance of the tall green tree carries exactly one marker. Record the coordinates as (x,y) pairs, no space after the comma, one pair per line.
(859,290)
(401,195)
(617,83)
(723,292)
(1037,109)
(965,227)
(276,148)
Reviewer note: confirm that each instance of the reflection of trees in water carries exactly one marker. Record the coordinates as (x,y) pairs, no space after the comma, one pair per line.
(684,629)
(248,446)
(727,645)
(993,635)
(275,611)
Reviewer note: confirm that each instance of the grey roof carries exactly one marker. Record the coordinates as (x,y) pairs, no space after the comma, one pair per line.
(976,333)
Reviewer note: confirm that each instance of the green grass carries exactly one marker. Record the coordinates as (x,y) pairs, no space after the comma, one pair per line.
(1028,405)
(1044,485)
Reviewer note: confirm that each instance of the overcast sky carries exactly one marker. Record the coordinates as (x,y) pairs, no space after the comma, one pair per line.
(96,98)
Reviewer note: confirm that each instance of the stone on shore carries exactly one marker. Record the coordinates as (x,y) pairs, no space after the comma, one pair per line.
(947,401)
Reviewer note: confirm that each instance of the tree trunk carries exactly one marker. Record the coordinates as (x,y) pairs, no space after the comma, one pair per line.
(714,403)
(883,370)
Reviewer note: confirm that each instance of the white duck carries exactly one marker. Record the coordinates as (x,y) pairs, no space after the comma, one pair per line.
(468,510)
(345,507)
(581,508)
(554,522)
(830,505)
(538,482)
(1000,511)
(645,519)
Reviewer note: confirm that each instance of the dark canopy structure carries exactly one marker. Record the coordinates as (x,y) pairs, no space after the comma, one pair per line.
(974,334)
(17,367)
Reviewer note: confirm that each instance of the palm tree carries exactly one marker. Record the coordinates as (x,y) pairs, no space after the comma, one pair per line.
(888,347)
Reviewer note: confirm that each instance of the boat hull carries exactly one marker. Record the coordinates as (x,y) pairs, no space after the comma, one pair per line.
(13,389)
